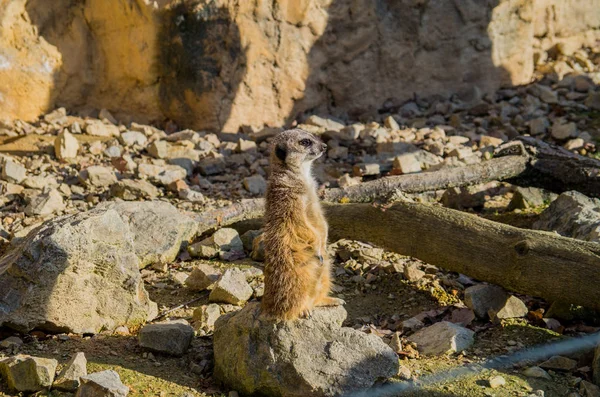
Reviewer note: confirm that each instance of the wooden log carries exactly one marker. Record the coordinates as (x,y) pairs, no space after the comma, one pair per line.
(491,170)
(531,262)
(553,167)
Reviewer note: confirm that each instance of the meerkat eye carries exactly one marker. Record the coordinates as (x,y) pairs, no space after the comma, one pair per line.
(306,142)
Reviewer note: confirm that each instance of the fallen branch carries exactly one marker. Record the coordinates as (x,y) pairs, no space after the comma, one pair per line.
(553,167)
(531,262)
(491,170)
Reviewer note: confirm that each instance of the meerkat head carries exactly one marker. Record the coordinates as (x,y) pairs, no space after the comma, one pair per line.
(296,147)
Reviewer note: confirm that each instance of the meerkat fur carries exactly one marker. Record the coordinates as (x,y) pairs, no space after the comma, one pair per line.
(297,267)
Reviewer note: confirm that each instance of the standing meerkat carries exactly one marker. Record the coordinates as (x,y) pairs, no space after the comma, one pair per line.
(297,267)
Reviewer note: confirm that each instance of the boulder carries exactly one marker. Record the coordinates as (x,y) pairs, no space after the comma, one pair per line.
(80,273)
(28,374)
(102,384)
(315,356)
(69,377)
(172,337)
(442,338)
(574,215)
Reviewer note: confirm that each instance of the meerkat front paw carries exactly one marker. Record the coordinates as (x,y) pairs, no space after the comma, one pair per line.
(329,301)
(307,314)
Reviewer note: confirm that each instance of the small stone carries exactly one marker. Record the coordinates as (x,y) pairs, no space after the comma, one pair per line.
(179,277)
(159,149)
(202,277)
(65,146)
(366,169)
(131,138)
(536,372)
(411,324)
(442,338)
(526,197)
(412,273)
(205,317)
(564,131)
(582,83)
(102,384)
(13,172)
(68,379)
(391,123)
(328,124)
(113,151)
(226,239)
(162,174)
(589,389)
(346,180)
(487,140)
(248,238)
(338,153)
(134,189)
(593,100)
(404,373)
(28,374)
(97,175)
(396,343)
(191,195)
(497,381)
(574,144)
(172,337)
(559,363)
(255,184)
(407,163)
(244,146)
(513,308)
(211,166)
(98,128)
(57,116)
(483,297)
(11,342)
(46,203)
(461,153)
(203,250)
(539,126)
(231,288)
(546,94)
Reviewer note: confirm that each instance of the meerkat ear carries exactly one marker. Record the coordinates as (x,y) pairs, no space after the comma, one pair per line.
(281,153)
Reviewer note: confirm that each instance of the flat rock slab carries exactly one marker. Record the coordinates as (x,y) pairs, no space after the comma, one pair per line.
(171,338)
(80,273)
(102,384)
(28,374)
(442,338)
(306,357)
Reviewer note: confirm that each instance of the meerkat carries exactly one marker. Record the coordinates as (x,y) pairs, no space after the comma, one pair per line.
(297,267)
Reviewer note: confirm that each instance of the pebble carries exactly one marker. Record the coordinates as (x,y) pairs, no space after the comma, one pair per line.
(231,288)
(66,146)
(497,382)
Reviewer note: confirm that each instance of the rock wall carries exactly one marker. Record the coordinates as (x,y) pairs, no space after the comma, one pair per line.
(226,64)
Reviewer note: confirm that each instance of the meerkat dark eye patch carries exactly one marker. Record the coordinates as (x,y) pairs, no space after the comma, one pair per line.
(306,142)
(281,153)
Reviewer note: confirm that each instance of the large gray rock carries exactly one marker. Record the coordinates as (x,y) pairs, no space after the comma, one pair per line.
(484,297)
(102,384)
(442,338)
(80,273)
(306,357)
(172,337)
(574,215)
(28,374)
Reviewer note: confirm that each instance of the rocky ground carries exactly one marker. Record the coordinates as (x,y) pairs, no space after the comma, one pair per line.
(67,164)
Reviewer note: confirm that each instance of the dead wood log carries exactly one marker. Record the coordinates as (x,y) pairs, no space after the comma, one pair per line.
(221,217)
(524,161)
(553,167)
(531,262)
(526,261)
(492,170)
